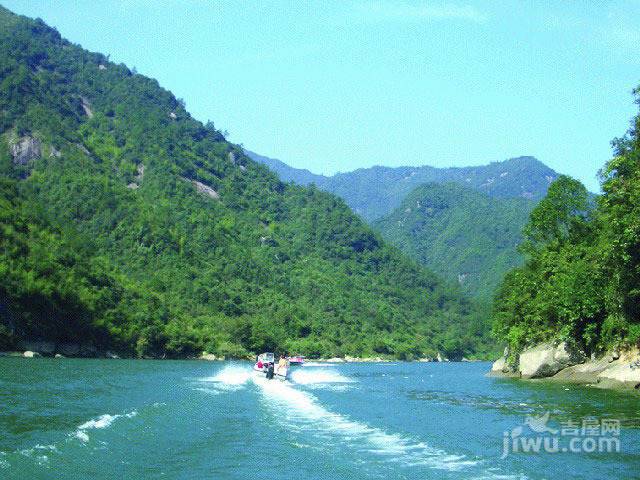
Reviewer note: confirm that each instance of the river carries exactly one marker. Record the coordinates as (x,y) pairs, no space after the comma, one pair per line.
(104,419)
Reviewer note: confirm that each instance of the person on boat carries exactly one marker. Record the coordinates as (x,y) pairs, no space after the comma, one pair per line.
(260,364)
(282,364)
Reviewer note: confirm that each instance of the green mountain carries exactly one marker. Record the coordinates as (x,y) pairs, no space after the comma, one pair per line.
(377,191)
(460,233)
(129,225)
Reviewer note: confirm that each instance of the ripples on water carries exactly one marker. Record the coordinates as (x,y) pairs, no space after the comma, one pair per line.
(200,420)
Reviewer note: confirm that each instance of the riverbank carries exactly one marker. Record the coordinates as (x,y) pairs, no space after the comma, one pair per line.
(52,350)
(559,363)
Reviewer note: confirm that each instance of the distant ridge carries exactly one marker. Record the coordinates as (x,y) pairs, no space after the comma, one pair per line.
(461,233)
(376,191)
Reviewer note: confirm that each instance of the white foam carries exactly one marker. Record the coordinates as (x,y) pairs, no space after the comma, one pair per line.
(309,377)
(103,421)
(230,378)
(301,411)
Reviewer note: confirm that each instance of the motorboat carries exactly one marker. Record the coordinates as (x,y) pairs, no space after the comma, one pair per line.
(296,360)
(265,365)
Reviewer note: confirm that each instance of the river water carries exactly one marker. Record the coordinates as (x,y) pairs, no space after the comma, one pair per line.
(104,419)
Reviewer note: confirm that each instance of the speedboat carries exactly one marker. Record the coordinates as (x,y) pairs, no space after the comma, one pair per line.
(296,360)
(265,365)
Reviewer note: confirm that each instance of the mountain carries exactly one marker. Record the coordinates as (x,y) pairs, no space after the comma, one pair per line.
(127,224)
(459,232)
(376,191)
(287,173)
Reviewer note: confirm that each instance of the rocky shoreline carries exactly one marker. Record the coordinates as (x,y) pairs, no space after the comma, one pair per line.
(558,362)
(35,349)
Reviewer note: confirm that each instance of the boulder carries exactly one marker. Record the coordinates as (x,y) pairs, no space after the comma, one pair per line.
(70,349)
(57,355)
(547,359)
(110,354)
(208,356)
(621,374)
(499,365)
(30,354)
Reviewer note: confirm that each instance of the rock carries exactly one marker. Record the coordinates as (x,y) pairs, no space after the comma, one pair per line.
(57,355)
(172,115)
(440,358)
(621,373)
(101,67)
(545,360)
(69,349)
(584,373)
(208,356)
(30,354)
(132,186)
(615,354)
(25,149)
(42,347)
(334,360)
(110,354)
(86,106)
(499,365)
(206,189)
(54,152)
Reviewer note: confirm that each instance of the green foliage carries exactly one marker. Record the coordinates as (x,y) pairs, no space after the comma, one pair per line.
(581,280)
(462,234)
(140,229)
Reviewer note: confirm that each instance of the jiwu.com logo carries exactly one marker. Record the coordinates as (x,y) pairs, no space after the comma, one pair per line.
(589,435)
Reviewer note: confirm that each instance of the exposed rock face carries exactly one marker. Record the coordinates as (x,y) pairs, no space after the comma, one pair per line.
(30,354)
(86,106)
(25,149)
(206,189)
(547,359)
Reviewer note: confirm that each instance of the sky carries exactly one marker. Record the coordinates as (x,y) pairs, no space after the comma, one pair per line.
(338,85)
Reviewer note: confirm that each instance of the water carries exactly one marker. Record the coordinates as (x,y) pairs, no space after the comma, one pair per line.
(108,419)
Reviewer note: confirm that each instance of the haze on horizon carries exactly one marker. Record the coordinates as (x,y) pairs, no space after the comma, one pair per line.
(337,86)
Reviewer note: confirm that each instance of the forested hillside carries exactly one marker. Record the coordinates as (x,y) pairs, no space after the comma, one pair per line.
(128,224)
(377,191)
(462,234)
(581,279)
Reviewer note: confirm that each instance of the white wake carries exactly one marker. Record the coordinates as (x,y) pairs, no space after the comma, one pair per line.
(300,411)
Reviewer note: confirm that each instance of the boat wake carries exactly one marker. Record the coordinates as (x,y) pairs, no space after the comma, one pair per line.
(314,376)
(229,379)
(102,421)
(40,454)
(301,412)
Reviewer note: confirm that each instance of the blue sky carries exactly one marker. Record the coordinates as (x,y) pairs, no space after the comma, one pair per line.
(334,86)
